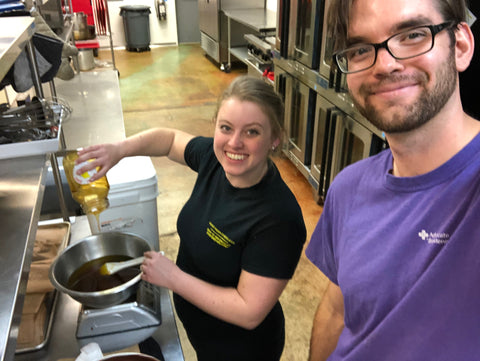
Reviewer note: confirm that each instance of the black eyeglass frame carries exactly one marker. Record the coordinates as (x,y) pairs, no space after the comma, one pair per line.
(434,29)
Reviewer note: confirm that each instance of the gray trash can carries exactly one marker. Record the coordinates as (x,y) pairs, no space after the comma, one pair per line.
(137,27)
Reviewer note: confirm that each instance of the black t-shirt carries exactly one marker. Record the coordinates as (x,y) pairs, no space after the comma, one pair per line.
(223,230)
(469,78)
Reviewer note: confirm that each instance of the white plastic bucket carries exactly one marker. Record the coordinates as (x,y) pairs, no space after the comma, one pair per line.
(133,200)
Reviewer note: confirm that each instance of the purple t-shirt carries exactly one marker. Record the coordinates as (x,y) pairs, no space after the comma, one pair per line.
(406,255)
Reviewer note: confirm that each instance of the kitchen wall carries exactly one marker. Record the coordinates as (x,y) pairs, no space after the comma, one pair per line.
(162,32)
(272,5)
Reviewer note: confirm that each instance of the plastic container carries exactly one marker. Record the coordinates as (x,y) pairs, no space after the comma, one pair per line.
(91,196)
(137,27)
(133,200)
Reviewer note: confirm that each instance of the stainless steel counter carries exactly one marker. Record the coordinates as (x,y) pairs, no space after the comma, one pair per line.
(97,115)
(21,192)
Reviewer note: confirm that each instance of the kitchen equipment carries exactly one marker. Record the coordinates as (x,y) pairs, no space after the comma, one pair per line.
(338,141)
(298,34)
(133,200)
(308,32)
(327,68)
(283,27)
(213,26)
(259,54)
(111,268)
(125,324)
(88,249)
(259,48)
(301,122)
(324,131)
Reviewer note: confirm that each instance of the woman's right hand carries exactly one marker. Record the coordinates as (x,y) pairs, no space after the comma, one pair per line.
(104,156)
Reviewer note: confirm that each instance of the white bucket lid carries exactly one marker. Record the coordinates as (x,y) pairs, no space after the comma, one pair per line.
(131,173)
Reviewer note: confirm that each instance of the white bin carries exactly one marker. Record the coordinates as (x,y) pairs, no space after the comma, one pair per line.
(133,200)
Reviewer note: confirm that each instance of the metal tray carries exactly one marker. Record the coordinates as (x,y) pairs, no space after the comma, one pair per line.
(51,298)
(23,149)
(56,111)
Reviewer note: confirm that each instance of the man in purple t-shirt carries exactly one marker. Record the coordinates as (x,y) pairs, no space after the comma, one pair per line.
(399,236)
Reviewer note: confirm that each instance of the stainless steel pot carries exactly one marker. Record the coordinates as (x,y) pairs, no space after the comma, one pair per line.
(86,60)
(88,249)
(80,26)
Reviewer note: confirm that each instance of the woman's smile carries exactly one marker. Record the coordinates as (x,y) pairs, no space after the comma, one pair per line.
(236,156)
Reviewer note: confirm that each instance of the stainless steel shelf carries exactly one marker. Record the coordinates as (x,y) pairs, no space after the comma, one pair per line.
(259,20)
(16,32)
(21,192)
(240,52)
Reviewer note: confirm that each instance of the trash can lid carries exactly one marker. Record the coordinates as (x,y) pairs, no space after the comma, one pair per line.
(135,8)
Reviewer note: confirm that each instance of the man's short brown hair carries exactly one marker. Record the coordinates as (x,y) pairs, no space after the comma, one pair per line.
(339,14)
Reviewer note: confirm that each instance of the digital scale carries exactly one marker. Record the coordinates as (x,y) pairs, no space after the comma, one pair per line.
(126,324)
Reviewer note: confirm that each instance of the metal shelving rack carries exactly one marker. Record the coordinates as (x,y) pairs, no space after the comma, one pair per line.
(19,209)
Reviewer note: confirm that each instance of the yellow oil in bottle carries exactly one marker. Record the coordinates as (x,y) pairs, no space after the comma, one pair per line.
(92,196)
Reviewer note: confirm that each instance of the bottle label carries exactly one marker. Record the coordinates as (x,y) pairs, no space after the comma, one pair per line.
(83,178)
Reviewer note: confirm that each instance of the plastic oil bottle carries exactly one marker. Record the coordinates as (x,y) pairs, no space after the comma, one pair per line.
(92,196)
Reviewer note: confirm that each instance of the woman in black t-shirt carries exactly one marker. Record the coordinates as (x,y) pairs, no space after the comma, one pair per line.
(241,232)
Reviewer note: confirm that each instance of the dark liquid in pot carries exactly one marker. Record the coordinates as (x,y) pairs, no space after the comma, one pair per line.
(87,278)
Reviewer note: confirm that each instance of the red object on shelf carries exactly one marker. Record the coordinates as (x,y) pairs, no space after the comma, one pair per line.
(87,44)
(269,74)
(84,6)
(96,11)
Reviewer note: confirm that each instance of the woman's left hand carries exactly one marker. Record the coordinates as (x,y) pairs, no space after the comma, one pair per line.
(158,269)
(246,305)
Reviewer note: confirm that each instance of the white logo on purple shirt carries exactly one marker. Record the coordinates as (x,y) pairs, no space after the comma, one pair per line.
(434,237)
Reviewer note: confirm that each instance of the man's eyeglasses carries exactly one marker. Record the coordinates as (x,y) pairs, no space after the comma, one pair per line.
(407,44)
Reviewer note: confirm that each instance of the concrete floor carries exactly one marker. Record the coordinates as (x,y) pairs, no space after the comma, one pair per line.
(178,87)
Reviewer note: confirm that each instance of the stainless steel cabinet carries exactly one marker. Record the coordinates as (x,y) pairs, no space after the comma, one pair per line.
(307,33)
(301,116)
(338,141)
(324,132)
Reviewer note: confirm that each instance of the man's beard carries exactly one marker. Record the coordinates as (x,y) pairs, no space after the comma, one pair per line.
(429,103)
